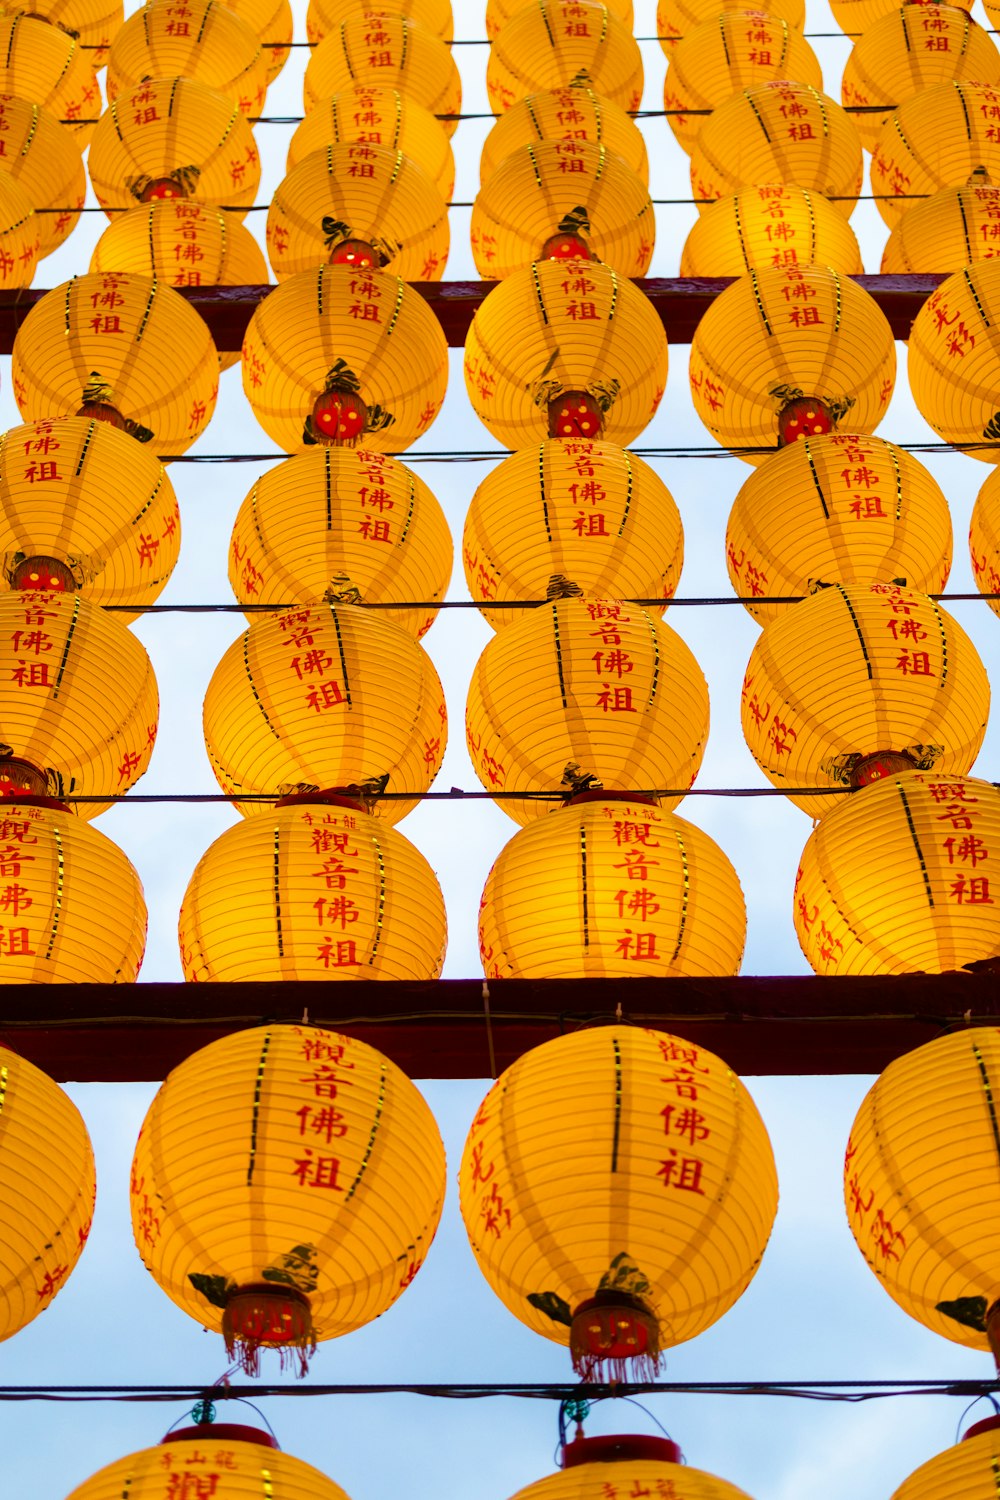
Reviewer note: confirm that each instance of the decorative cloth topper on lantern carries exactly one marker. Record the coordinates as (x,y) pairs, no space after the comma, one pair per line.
(571,514)
(784,354)
(378,117)
(47,1187)
(598,1468)
(611,888)
(618,1190)
(272,24)
(891,882)
(499,12)
(584,696)
(92,22)
(20,235)
(316,890)
(389,51)
(575,113)
(342,524)
(937,139)
(198,39)
(43,159)
(562,200)
(122,349)
(329,697)
(845,508)
(947,231)
(676,18)
(358,205)
(773,224)
(553,43)
(335,355)
(324,16)
(45,65)
(855,17)
(779,132)
(964,1472)
(286,1186)
(954,360)
(565,349)
(984,539)
(854,684)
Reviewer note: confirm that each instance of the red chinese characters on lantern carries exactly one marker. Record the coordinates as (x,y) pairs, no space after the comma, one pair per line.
(612,663)
(34,649)
(312,664)
(686,1125)
(870,1222)
(494,1215)
(196,1473)
(320,1121)
(961,842)
(638,899)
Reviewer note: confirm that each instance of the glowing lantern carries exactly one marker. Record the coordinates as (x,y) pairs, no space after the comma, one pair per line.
(773,224)
(854,684)
(92,22)
(647,1236)
(44,160)
(984,539)
(123,349)
(78,494)
(19,235)
(936,139)
(554,905)
(198,39)
(845,508)
(734,50)
(914,48)
(257,1223)
(857,16)
(562,200)
(946,231)
(45,65)
(883,887)
(342,523)
(786,354)
(174,138)
(565,350)
(404,56)
(553,43)
(47,1186)
(964,1472)
(549,716)
(575,113)
(586,515)
(330,698)
(333,355)
(319,889)
(324,16)
(378,117)
(358,205)
(779,132)
(271,23)
(499,12)
(594,1468)
(675,19)
(954,360)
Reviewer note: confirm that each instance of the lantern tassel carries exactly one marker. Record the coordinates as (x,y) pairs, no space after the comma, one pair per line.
(615,1336)
(268,1317)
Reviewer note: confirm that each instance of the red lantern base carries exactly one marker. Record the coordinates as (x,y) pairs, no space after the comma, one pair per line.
(162,188)
(575,414)
(21,781)
(101,411)
(614,1336)
(802,417)
(48,575)
(338,418)
(358,254)
(878,766)
(223,1432)
(268,1316)
(623,1448)
(568,246)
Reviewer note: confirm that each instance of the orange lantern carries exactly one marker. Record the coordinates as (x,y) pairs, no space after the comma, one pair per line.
(390,52)
(773,224)
(954,360)
(343,524)
(378,117)
(575,113)
(964,1472)
(935,139)
(324,16)
(45,65)
(198,39)
(855,17)
(675,19)
(44,160)
(947,231)
(271,23)
(358,205)
(19,235)
(595,1468)
(499,12)
(92,22)
(984,539)
(550,44)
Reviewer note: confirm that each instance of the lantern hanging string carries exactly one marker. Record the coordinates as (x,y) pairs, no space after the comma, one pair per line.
(514,604)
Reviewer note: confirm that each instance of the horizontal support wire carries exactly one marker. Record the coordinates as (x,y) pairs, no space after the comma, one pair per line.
(459,794)
(481,604)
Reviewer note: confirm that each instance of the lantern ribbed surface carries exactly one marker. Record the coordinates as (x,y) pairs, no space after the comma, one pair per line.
(934,140)
(228,1468)
(675,19)
(312,892)
(180,132)
(919,1173)
(379,117)
(121,341)
(548,44)
(778,336)
(271,23)
(779,132)
(391,52)
(364,331)
(966,1472)
(954,360)
(47,66)
(736,49)
(618,1158)
(47,1187)
(774,224)
(853,672)
(93,498)
(323,697)
(611,889)
(579,693)
(43,158)
(892,880)
(335,520)
(499,12)
(575,113)
(855,17)
(561,327)
(20,235)
(355,191)
(587,513)
(945,232)
(594,1480)
(92,22)
(323,16)
(984,539)
(845,508)
(288,1158)
(570,188)
(198,39)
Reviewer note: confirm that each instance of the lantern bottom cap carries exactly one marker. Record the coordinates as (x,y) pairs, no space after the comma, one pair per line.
(266,1315)
(615,1336)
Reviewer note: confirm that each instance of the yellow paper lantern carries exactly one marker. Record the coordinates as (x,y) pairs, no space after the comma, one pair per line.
(611,889)
(174,138)
(587,514)
(891,881)
(779,132)
(334,355)
(324,16)
(44,159)
(47,1186)
(585,694)
(20,236)
(949,230)
(852,680)
(677,18)
(358,205)
(575,113)
(345,523)
(549,44)
(565,349)
(845,508)
(286,1185)
(645,1237)
(92,22)
(954,360)
(964,1472)
(100,505)
(378,117)
(786,353)
(45,65)
(316,890)
(984,539)
(390,52)
(125,349)
(605,1467)
(499,12)
(936,139)
(198,39)
(271,23)
(325,697)
(562,200)
(773,224)
(855,17)
(737,49)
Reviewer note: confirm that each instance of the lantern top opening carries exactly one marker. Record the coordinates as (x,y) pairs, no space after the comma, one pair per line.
(621,1448)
